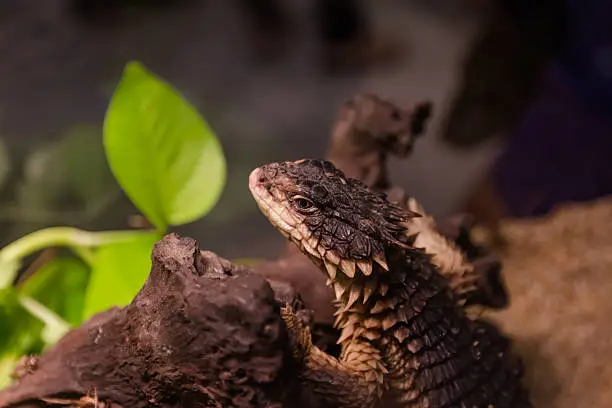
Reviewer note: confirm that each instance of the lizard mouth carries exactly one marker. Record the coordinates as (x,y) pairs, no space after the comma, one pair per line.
(273,204)
(261,189)
(351,279)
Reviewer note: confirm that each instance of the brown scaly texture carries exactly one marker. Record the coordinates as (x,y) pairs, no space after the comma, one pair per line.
(367,129)
(404,339)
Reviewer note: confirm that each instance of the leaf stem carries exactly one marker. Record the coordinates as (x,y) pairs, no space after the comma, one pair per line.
(86,254)
(80,241)
(55,326)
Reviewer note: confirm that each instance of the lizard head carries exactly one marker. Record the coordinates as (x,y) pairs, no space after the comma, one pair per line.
(337,221)
(392,128)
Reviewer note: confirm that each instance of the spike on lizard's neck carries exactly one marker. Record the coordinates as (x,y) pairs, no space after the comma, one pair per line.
(363,301)
(387,293)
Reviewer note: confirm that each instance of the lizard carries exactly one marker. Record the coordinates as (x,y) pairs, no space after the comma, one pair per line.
(404,340)
(366,130)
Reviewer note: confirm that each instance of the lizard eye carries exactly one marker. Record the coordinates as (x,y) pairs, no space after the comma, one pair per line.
(303,204)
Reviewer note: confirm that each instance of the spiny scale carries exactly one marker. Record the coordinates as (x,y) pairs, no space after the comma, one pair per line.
(332,257)
(348,267)
(401,333)
(331,270)
(366,267)
(371,323)
(369,288)
(339,288)
(382,305)
(371,335)
(339,321)
(354,294)
(380,259)
(310,249)
(389,321)
(347,331)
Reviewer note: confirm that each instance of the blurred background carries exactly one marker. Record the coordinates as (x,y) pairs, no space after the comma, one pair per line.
(269,75)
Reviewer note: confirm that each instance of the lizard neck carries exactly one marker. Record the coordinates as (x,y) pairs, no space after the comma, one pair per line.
(380,306)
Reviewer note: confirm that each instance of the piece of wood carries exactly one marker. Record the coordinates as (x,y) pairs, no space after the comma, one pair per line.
(201,332)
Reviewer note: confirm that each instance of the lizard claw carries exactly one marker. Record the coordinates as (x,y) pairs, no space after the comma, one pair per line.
(299,333)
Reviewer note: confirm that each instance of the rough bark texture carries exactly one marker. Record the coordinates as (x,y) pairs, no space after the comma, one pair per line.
(201,333)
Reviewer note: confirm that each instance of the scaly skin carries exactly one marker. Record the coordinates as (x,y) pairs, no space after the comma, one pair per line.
(404,339)
(472,286)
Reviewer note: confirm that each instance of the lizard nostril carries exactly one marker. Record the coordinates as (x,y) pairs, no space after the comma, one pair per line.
(261,178)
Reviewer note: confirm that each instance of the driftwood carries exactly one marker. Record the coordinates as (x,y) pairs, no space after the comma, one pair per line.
(201,333)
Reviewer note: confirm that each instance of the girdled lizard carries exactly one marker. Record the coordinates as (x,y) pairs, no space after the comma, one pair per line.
(404,338)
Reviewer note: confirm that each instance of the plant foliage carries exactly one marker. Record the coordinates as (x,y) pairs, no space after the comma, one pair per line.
(168,162)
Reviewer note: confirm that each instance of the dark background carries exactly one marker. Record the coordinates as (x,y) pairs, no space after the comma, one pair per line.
(58,70)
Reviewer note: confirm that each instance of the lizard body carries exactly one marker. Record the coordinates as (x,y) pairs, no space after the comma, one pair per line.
(404,338)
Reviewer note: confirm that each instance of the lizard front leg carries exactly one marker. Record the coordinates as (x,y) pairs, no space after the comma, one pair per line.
(354,381)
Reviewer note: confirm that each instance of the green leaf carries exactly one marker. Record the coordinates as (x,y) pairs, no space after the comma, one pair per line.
(162,153)
(8,272)
(21,333)
(54,326)
(60,285)
(119,271)
(7,366)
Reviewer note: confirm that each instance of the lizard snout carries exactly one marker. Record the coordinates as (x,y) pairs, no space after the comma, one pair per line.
(257,178)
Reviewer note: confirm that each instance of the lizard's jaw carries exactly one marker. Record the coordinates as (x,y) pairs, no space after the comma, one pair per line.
(260,188)
(273,206)
(351,279)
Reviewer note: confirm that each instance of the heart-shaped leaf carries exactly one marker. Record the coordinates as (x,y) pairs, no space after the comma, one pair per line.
(118,273)
(162,153)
